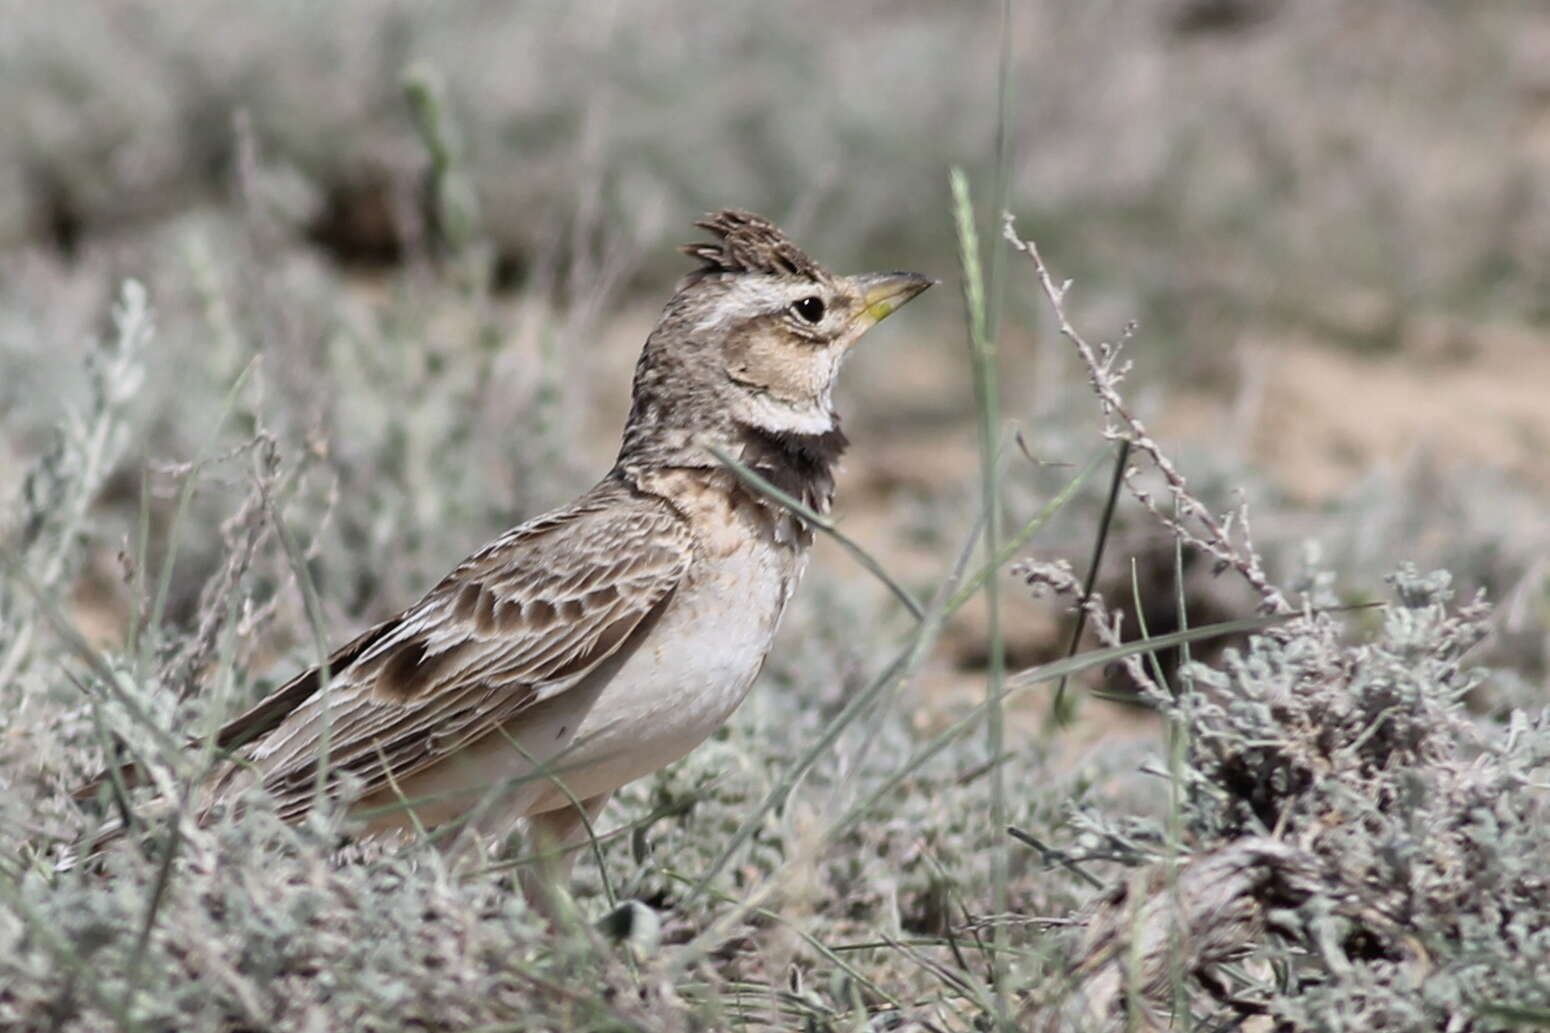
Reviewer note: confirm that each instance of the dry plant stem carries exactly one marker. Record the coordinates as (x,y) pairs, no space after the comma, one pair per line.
(1059,578)
(75,642)
(1042,674)
(1221,899)
(898,673)
(1105,371)
(243,533)
(174,533)
(829,953)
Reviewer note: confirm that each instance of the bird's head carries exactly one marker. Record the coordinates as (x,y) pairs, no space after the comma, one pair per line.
(752,341)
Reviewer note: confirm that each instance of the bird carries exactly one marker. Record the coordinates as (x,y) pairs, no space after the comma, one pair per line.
(606,639)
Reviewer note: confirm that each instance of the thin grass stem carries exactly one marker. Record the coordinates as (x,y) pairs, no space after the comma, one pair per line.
(811,940)
(185,496)
(1033,676)
(586,821)
(1057,711)
(821,523)
(315,623)
(899,669)
(982,350)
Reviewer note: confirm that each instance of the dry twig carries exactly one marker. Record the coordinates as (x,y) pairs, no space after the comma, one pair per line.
(1195,524)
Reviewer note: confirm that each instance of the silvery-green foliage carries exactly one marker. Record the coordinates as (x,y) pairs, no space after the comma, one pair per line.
(45,523)
(46,529)
(1428,829)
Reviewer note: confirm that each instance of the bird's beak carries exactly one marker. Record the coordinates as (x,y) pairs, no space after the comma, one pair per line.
(881,293)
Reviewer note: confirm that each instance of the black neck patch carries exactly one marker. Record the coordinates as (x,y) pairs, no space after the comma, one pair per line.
(801,465)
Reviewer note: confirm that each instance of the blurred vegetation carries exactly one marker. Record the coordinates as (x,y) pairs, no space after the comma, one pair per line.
(397,260)
(1323,161)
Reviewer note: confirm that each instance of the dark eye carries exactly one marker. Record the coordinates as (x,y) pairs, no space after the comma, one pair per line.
(809,308)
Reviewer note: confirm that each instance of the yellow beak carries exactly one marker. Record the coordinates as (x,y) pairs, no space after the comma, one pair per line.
(882,293)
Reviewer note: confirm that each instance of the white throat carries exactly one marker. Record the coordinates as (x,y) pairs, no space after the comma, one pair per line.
(772,414)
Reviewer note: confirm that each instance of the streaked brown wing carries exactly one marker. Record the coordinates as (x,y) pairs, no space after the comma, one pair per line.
(520,621)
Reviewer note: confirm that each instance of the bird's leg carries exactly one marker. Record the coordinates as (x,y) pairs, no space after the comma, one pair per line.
(555,836)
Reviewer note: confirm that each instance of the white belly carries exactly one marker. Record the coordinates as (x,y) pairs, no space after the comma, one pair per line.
(695,667)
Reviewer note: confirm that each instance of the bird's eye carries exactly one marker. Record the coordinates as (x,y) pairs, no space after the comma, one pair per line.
(809,308)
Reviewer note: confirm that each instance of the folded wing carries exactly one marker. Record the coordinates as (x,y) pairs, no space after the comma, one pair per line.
(521,621)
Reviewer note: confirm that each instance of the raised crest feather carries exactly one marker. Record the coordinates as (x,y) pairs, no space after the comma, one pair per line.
(748,243)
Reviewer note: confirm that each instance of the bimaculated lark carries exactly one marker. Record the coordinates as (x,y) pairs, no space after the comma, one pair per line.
(602,641)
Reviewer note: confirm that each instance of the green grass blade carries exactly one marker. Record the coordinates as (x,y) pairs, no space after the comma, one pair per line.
(822,523)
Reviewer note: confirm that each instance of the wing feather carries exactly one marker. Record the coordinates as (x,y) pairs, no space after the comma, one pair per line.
(522,620)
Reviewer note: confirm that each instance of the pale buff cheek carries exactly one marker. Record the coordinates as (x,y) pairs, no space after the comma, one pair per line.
(787,370)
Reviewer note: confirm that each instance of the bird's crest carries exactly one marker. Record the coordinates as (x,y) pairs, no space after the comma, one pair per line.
(748,243)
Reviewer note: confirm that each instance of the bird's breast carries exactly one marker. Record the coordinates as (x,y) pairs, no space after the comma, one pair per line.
(698,660)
